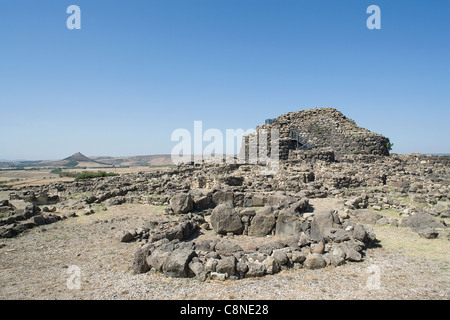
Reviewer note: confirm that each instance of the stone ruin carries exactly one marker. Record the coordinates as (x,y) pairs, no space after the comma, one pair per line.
(301,238)
(304,237)
(323,133)
(228,221)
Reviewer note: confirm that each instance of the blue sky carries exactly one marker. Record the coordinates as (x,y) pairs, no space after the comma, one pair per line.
(138,70)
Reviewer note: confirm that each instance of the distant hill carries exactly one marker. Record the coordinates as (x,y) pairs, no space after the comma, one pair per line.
(78,160)
(78,157)
(146,160)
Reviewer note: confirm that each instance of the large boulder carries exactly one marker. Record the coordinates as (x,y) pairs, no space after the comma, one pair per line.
(258,200)
(288,224)
(421,220)
(427,232)
(262,223)
(300,206)
(271,266)
(225,219)
(314,261)
(280,257)
(321,221)
(279,200)
(181,203)
(222,197)
(336,235)
(176,264)
(364,234)
(140,264)
(351,253)
(156,259)
(198,269)
(181,231)
(227,264)
(202,199)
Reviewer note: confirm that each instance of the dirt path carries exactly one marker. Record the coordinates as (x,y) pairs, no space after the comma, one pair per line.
(35,265)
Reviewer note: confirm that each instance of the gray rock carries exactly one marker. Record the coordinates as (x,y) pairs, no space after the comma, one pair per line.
(321,221)
(359,233)
(227,264)
(247,212)
(234,180)
(212,254)
(336,235)
(350,253)
(157,258)
(224,219)
(255,269)
(241,268)
(198,269)
(125,237)
(262,223)
(222,197)
(315,261)
(298,257)
(40,220)
(176,233)
(227,248)
(427,232)
(318,248)
(288,224)
(259,200)
(277,200)
(202,200)
(280,257)
(176,264)
(181,203)
(271,265)
(205,245)
(268,247)
(211,264)
(445,214)
(140,264)
(334,260)
(383,221)
(8,232)
(31,207)
(364,234)
(248,202)
(300,206)
(420,220)
(303,240)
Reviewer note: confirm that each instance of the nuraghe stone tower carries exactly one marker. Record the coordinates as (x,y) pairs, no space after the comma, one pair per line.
(322,133)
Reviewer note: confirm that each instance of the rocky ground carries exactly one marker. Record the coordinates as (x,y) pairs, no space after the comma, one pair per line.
(35,265)
(364,227)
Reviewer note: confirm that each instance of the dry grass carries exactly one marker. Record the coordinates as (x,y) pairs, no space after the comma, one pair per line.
(89,242)
(409,243)
(43,176)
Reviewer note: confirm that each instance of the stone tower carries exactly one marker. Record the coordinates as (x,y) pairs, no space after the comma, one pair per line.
(322,131)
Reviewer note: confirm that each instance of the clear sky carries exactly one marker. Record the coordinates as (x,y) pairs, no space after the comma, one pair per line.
(138,70)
